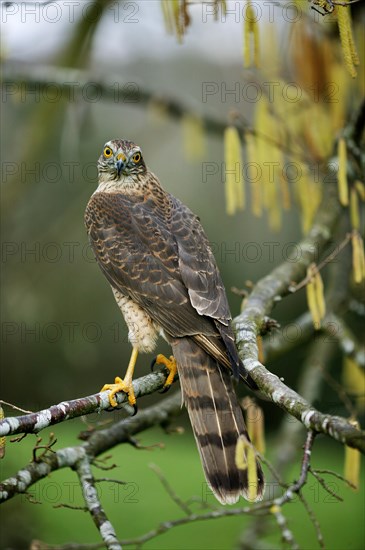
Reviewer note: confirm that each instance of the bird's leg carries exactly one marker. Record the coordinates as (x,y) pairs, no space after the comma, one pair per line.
(124,385)
(170,364)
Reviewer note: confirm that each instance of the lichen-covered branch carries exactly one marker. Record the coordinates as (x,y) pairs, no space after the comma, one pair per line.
(98,442)
(93,504)
(35,422)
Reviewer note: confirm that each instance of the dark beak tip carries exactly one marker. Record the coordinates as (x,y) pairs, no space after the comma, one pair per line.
(119,166)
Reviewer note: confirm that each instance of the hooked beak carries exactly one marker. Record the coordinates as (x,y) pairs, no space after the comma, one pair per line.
(119,165)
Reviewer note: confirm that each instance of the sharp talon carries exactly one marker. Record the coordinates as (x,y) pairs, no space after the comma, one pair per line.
(153,363)
(170,365)
(135,409)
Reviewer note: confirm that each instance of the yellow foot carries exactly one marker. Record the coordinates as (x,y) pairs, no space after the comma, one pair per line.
(120,385)
(170,364)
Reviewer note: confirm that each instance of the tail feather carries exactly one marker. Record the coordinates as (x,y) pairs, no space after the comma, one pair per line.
(216,419)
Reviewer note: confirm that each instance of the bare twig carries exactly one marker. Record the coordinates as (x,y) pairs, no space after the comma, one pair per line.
(170,491)
(323,263)
(325,486)
(35,422)
(313,519)
(335,474)
(15,407)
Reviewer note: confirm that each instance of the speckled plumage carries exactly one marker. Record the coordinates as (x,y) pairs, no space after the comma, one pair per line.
(156,256)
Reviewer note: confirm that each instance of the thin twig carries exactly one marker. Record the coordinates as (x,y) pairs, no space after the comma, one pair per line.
(313,519)
(118,481)
(15,407)
(325,486)
(335,474)
(170,491)
(317,268)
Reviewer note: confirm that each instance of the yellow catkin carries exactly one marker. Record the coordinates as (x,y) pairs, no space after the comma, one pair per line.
(193,137)
(318,131)
(338,89)
(360,188)
(246,44)
(354,53)
(270,160)
(253,174)
(309,195)
(269,52)
(235,196)
(240,453)
(353,379)
(178,18)
(352,462)
(251,474)
(347,40)
(255,424)
(354,209)
(250,37)
(321,303)
(167,16)
(315,297)
(343,190)
(245,458)
(261,123)
(360,41)
(358,258)
(319,293)
(256,43)
(2,439)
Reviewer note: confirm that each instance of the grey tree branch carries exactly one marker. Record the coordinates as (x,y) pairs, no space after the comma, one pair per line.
(93,504)
(35,422)
(98,442)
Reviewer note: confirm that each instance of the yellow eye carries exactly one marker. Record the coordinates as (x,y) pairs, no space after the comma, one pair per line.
(107,152)
(136,157)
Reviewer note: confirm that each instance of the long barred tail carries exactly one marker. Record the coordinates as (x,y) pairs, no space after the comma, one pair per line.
(216,419)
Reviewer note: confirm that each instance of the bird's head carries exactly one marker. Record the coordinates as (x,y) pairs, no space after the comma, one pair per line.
(121,161)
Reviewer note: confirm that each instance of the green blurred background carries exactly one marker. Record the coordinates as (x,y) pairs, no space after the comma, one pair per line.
(62,334)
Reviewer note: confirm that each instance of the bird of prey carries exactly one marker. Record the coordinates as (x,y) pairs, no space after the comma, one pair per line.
(157,259)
